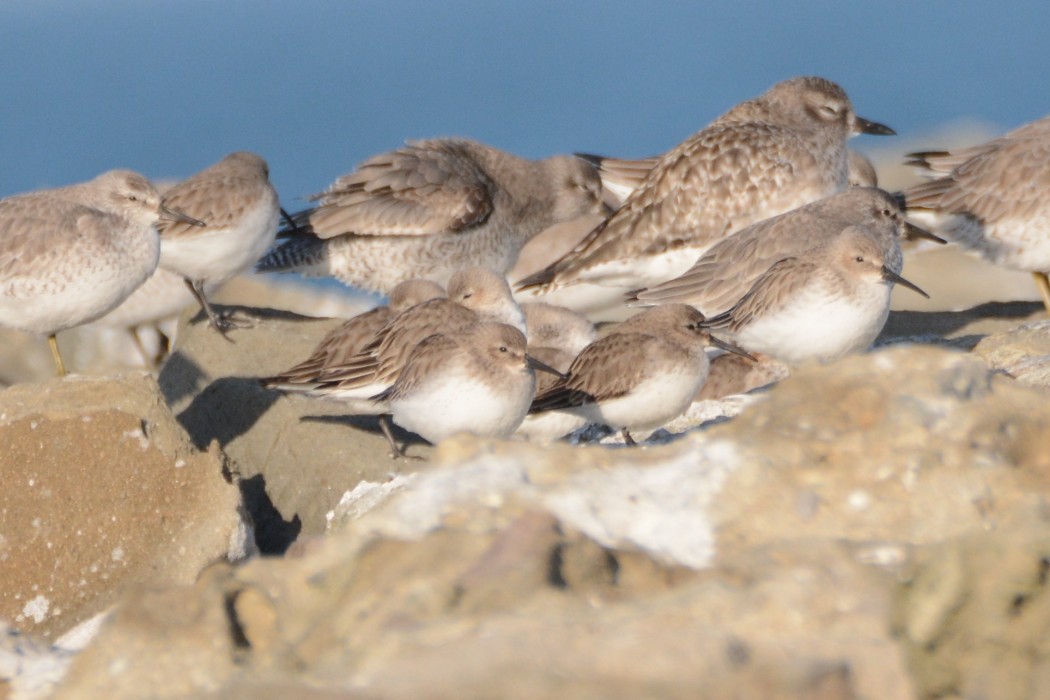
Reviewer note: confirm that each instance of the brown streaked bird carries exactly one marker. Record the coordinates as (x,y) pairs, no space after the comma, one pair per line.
(70,255)
(993,199)
(728,270)
(478,380)
(819,305)
(345,341)
(556,336)
(622,176)
(430,208)
(765,156)
(474,294)
(638,377)
(240,211)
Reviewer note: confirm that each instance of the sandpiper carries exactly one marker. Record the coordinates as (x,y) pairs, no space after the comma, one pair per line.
(474,294)
(430,208)
(765,156)
(345,341)
(727,271)
(994,199)
(477,379)
(819,305)
(64,262)
(638,377)
(240,210)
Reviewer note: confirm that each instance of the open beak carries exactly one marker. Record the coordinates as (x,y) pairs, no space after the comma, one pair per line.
(174,215)
(729,347)
(911,232)
(891,276)
(542,366)
(866,126)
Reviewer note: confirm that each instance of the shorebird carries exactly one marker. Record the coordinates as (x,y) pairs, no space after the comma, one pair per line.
(478,380)
(622,176)
(474,294)
(240,210)
(69,255)
(727,271)
(556,336)
(345,341)
(430,208)
(765,156)
(638,377)
(994,199)
(824,303)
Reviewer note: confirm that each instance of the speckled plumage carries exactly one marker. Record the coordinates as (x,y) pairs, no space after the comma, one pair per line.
(763,157)
(994,198)
(431,207)
(64,262)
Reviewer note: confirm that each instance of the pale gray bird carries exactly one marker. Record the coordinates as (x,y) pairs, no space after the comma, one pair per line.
(994,199)
(430,208)
(70,255)
(765,156)
(240,211)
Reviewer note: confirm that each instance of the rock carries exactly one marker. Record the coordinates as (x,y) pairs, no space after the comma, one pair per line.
(102,490)
(974,616)
(296,456)
(757,557)
(1022,352)
(907,444)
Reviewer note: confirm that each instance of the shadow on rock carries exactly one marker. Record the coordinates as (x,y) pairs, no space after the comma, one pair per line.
(273,534)
(369,424)
(225,410)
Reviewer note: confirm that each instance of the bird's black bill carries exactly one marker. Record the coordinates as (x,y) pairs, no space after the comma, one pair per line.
(891,276)
(730,347)
(911,232)
(175,215)
(866,126)
(542,367)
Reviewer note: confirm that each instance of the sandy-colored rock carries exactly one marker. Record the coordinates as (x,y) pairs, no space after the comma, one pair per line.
(907,444)
(974,616)
(1022,352)
(102,490)
(295,455)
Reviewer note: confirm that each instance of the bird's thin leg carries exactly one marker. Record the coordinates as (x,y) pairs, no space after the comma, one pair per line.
(220,322)
(396,452)
(59,365)
(627,437)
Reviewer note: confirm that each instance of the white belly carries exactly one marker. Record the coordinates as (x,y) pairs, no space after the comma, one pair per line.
(818,326)
(217,255)
(455,403)
(80,284)
(653,402)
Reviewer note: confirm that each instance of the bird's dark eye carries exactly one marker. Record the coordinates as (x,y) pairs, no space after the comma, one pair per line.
(885,212)
(468,295)
(859,258)
(133,198)
(503,348)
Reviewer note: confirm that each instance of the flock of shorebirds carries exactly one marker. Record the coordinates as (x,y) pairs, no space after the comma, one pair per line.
(760,235)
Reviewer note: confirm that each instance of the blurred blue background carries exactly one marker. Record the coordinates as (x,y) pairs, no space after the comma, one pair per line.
(315,87)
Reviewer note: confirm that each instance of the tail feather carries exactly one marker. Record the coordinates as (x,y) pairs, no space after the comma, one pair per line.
(299,254)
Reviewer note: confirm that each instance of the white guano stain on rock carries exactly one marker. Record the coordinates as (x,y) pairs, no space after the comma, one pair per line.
(662,510)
